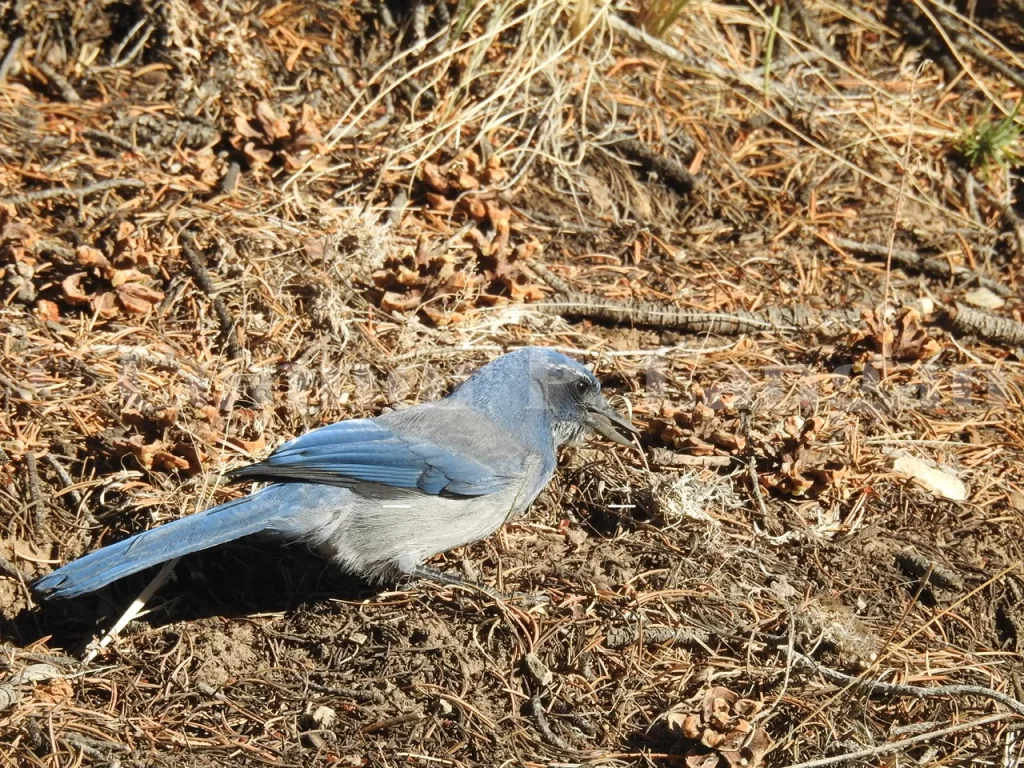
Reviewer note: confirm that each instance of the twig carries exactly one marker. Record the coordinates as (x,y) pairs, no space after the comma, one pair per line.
(895,746)
(878,688)
(1001,330)
(117,141)
(913,260)
(10,55)
(37,505)
(548,735)
(56,192)
(204,281)
(67,91)
(673,174)
(94,748)
(620,637)
(920,567)
(662,457)
(75,500)
(990,61)
(778,319)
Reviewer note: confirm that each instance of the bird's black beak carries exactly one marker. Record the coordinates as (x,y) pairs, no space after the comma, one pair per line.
(604,420)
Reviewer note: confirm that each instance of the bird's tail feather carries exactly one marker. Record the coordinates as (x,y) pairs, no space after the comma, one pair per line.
(229,521)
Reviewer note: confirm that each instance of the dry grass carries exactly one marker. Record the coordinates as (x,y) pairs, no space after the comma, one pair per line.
(366,193)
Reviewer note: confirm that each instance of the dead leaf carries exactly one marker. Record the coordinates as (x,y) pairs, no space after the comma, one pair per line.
(273,126)
(121,276)
(105,305)
(48,310)
(71,289)
(89,257)
(137,298)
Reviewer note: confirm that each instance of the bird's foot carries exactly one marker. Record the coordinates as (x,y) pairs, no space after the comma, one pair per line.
(440,577)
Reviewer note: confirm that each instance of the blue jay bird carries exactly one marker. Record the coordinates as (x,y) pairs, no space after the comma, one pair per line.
(380,496)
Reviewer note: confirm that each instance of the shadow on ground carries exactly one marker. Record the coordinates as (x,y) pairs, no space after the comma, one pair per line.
(243,578)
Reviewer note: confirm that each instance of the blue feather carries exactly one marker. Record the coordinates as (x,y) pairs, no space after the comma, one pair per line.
(361,450)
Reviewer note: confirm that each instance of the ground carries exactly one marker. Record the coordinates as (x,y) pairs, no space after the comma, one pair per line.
(785,237)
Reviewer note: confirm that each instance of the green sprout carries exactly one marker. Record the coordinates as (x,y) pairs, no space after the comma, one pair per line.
(992,142)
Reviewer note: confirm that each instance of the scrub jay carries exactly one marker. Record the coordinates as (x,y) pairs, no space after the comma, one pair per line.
(380,496)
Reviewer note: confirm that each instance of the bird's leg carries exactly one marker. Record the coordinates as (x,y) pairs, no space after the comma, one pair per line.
(432,574)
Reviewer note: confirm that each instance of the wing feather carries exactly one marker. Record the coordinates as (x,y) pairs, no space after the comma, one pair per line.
(365,450)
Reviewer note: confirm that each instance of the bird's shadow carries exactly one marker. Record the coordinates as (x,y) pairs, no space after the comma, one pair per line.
(245,577)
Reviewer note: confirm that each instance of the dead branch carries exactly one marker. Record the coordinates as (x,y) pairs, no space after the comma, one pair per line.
(36,505)
(673,174)
(1000,330)
(10,55)
(645,313)
(878,688)
(79,192)
(552,738)
(913,260)
(664,458)
(918,566)
(64,88)
(896,746)
(75,500)
(620,637)
(227,323)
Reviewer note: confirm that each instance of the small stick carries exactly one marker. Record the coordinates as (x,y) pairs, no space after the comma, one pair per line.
(550,736)
(1002,330)
(674,174)
(665,458)
(913,260)
(9,57)
(896,746)
(878,688)
(56,192)
(67,91)
(75,501)
(35,491)
(205,282)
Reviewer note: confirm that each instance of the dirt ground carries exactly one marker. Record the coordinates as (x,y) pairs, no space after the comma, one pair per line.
(787,238)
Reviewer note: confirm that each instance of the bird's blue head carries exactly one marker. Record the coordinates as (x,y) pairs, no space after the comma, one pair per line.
(535,388)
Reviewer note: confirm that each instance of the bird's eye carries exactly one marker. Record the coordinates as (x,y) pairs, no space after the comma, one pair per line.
(582,386)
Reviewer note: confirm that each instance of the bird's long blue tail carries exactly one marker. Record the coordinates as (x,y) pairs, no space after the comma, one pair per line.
(218,525)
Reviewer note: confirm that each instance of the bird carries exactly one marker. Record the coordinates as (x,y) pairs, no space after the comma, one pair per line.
(381,496)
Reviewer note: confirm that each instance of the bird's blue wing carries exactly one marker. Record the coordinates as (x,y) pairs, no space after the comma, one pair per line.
(365,450)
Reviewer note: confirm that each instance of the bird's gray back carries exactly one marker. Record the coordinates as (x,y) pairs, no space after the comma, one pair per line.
(375,530)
